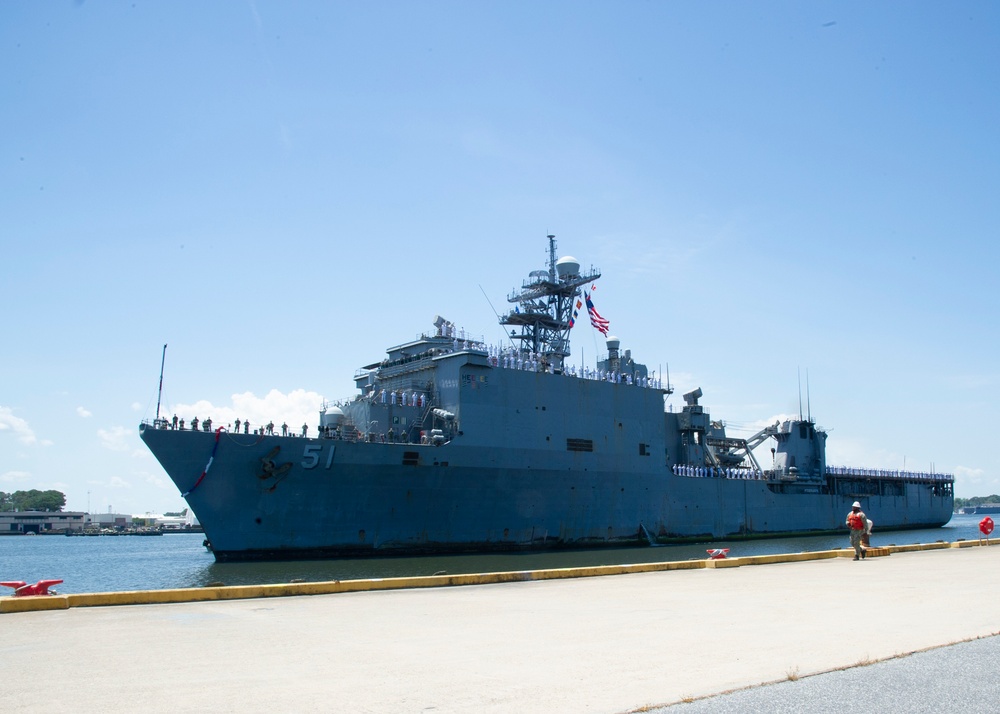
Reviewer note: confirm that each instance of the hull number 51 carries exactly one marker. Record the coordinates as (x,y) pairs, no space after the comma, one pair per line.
(313,453)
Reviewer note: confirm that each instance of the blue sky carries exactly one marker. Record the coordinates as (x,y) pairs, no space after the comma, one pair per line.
(280,191)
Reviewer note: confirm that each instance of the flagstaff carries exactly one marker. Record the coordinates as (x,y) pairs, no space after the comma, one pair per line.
(159,394)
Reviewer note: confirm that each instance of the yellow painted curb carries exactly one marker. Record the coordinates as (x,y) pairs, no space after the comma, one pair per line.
(870,552)
(970,543)
(915,547)
(31,603)
(243,592)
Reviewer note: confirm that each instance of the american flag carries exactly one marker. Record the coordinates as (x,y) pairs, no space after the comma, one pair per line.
(595,317)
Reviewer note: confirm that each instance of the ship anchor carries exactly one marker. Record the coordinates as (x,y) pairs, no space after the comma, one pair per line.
(268,469)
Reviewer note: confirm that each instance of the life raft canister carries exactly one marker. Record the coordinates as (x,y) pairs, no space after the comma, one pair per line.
(855,522)
(986,525)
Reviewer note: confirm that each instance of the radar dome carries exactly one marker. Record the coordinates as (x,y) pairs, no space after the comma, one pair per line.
(331,416)
(568,267)
(613,343)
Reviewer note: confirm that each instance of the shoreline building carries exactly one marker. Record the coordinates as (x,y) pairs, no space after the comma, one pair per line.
(21,522)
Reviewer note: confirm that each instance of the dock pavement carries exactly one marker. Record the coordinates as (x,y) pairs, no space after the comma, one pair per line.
(642,641)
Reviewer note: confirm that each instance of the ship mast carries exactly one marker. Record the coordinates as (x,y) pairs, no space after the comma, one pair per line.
(544,308)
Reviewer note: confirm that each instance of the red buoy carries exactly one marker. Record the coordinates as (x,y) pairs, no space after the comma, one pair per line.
(986,525)
(717,553)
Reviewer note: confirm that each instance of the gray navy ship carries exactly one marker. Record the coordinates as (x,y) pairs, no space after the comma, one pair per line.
(452,445)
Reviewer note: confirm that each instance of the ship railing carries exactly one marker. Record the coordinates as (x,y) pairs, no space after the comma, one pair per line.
(741,473)
(347,432)
(505,358)
(393,369)
(459,339)
(244,427)
(350,433)
(896,474)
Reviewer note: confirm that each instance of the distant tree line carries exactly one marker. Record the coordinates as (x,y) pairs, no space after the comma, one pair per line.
(976,501)
(33,500)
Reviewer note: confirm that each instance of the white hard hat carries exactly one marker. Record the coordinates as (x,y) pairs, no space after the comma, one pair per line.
(856,505)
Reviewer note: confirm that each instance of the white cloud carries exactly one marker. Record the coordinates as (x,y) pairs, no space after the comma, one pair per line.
(295,408)
(155,480)
(115,438)
(14,476)
(969,476)
(113,482)
(19,427)
(83,412)
(136,407)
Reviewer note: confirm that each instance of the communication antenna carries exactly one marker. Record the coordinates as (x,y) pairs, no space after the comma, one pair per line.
(159,394)
(552,257)
(798,371)
(669,390)
(808,405)
(499,319)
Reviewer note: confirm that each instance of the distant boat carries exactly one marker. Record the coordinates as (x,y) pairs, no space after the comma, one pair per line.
(986,508)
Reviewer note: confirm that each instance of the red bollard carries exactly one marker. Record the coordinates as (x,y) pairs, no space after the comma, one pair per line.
(22,589)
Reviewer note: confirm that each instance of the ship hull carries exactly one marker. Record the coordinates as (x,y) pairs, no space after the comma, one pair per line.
(280,498)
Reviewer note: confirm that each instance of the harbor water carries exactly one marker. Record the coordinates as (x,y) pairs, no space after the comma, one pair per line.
(117,563)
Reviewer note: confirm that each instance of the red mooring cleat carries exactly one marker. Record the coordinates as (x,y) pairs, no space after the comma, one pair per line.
(22,589)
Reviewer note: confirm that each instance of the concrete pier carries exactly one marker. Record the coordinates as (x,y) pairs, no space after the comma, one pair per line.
(594,644)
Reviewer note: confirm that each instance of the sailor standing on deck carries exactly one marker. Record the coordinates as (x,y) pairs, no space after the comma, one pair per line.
(857,521)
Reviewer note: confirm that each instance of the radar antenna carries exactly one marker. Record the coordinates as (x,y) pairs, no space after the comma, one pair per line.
(543,315)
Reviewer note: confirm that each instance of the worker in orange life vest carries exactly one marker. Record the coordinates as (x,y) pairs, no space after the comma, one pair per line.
(857,522)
